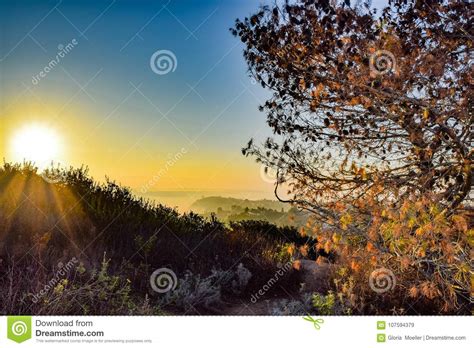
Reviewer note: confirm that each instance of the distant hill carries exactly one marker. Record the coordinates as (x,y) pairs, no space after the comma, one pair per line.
(212,204)
(182,200)
(233,209)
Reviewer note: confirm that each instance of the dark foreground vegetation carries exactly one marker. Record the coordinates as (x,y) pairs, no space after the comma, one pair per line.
(69,245)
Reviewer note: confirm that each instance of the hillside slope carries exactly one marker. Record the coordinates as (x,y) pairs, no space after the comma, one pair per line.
(115,242)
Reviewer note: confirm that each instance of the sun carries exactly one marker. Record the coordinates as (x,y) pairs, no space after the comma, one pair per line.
(36,143)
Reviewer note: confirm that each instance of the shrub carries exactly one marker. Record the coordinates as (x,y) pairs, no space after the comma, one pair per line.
(414,258)
(195,292)
(296,306)
(80,291)
(324,304)
(79,217)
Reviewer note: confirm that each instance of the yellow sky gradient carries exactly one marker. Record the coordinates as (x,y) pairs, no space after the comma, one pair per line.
(136,161)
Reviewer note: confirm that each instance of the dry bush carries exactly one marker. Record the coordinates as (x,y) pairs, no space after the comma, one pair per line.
(44,223)
(428,251)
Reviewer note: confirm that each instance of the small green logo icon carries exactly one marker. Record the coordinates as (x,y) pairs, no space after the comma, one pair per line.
(19,328)
(316,322)
(380,338)
(381,325)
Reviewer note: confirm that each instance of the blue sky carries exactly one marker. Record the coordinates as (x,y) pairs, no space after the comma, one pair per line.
(209,103)
(115,114)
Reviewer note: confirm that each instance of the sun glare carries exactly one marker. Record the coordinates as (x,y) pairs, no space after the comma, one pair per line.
(36,143)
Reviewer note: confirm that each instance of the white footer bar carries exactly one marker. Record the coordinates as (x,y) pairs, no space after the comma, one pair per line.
(238,331)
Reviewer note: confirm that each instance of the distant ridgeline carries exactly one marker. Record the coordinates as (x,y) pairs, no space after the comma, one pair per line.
(233,209)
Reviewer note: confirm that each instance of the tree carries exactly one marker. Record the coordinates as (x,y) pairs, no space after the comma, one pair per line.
(370,111)
(360,99)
